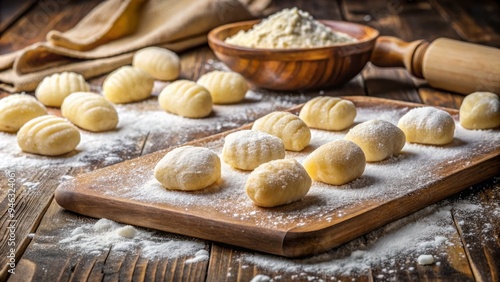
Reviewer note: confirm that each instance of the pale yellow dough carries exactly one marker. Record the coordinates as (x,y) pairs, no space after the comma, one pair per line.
(247,149)
(48,135)
(90,111)
(127,84)
(17,109)
(379,139)
(480,110)
(328,113)
(160,63)
(277,182)
(224,87)
(188,168)
(295,134)
(337,162)
(427,125)
(55,88)
(186,98)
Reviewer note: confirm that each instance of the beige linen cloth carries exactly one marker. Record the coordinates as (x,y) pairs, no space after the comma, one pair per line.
(107,37)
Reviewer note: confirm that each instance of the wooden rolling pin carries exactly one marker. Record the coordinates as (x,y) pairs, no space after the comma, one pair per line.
(445,63)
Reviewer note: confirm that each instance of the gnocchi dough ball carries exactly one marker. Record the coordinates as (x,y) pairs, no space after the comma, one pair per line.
(186,98)
(337,162)
(328,113)
(427,125)
(55,88)
(295,134)
(160,63)
(278,182)
(247,149)
(48,135)
(224,87)
(17,109)
(127,84)
(379,139)
(480,110)
(90,111)
(188,168)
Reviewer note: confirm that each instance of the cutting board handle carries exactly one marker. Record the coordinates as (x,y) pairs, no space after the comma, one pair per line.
(445,63)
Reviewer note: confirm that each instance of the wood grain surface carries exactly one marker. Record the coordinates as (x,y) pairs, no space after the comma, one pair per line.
(103,194)
(296,69)
(472,258)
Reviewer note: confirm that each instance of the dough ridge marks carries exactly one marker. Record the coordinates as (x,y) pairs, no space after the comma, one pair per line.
(127,84)
(55,88)
(295,134)
(328,113)
(247,149)
(48,135)
(186,98)
(90,111)
(17,109)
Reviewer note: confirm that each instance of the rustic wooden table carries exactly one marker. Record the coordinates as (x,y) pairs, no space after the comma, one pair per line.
(470,221)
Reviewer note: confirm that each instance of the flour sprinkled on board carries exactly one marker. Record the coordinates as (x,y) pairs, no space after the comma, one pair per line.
(414,168)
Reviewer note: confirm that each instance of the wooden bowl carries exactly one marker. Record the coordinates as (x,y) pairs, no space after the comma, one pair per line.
(296,69)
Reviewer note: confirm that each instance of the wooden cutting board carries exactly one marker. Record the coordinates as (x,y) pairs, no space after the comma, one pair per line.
(327,217)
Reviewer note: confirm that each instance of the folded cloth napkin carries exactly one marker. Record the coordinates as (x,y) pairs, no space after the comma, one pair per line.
(108,36)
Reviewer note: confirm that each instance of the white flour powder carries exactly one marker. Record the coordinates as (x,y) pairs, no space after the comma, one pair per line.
(399,243)
(414,168)
(106,234)
(289,28)
(137,120)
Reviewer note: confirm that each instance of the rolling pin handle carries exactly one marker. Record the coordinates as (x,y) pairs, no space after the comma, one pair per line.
(447,64)
(393,52)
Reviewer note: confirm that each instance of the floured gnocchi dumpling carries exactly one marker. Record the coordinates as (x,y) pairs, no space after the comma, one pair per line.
(379,139)
(247,149)
(225,87)
(427,125)
(328,113)
(337,162)
(188,168)
(186,98)
(90,111)
(17,109)
(278,182)
(48,135)
(127,84)
(160,63)
(55,88)
(480,110)
(295,134)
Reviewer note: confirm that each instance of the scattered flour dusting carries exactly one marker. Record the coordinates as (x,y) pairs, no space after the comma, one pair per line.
(95,238)
(200,255)
(425,259)
(212,65)
(415,168)
(138,120)
(398,243)
(31,185)
(261,278)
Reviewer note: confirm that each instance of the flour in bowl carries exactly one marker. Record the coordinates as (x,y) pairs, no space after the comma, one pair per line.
(289,28)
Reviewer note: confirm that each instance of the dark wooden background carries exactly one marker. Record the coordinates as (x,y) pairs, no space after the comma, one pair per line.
(473,258)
